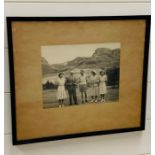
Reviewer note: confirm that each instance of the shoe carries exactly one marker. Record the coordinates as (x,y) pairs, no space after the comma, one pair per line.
(103,100)
(96,101)
(92,101)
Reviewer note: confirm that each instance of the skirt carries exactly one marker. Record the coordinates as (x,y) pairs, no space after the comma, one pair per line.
(61,93)
(94,90)
(102,88)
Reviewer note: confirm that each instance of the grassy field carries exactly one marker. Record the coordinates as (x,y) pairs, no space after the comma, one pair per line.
(50,101)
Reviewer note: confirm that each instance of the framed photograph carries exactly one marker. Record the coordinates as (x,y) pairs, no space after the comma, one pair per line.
(77,76)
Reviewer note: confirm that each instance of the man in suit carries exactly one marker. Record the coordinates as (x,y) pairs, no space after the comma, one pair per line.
(71,83)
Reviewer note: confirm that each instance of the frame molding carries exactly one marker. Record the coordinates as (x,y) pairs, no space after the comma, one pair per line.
(15,141)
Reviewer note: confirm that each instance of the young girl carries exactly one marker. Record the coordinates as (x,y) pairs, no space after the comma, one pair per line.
(94,80)
(61,93)
(102,85)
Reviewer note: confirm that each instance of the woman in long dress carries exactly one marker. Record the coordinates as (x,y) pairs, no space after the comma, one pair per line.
(61,92)
(94,85)
(102,85)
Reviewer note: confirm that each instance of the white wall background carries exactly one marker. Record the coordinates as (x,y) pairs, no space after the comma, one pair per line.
(135,143)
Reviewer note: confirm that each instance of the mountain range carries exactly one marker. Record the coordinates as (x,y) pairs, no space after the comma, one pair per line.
(101,58)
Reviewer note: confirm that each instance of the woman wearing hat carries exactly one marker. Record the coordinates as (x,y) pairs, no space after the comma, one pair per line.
(94,80)
(102,85)
(61,93)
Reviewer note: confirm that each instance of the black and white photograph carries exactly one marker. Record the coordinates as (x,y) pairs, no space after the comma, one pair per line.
(80,74)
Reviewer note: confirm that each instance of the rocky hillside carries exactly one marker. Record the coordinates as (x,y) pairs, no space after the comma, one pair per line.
(101,58)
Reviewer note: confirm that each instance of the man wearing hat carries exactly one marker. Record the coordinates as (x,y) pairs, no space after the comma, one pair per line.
(83,86)
(71,83)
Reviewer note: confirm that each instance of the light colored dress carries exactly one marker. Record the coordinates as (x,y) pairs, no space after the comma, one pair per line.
(61,92)
(94,80)
(102,84)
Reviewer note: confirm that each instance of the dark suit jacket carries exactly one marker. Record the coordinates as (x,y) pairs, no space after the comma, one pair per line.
(71,82)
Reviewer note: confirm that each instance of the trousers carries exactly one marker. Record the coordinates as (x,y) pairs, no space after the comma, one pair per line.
(72,95)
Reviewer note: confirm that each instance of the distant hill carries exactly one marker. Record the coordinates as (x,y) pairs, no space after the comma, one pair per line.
(46,67)
(101,58)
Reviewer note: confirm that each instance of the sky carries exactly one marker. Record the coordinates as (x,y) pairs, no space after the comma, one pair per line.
(56,54)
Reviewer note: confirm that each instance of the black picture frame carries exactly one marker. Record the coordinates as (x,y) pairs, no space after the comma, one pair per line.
(15,141)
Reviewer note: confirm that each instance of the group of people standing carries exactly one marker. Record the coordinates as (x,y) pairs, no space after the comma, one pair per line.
(96,84)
